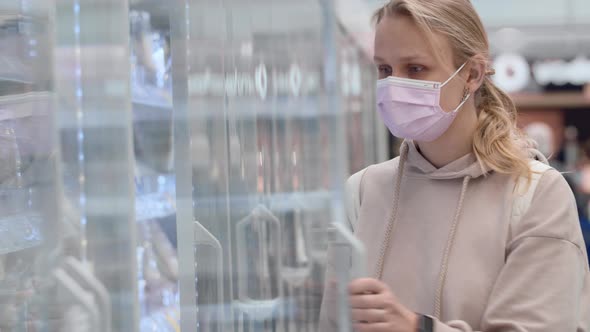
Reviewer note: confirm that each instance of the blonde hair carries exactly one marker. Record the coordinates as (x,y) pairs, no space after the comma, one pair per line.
(498,144)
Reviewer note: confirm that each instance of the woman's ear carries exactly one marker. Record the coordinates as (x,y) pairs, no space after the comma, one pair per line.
(477,73)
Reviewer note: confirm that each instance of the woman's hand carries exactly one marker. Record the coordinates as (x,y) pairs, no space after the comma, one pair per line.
(375,308)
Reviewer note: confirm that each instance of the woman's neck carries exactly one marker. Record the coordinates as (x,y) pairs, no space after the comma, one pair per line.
(441,155)
(455,143)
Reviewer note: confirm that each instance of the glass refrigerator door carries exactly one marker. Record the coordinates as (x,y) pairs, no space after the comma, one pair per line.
(260,160)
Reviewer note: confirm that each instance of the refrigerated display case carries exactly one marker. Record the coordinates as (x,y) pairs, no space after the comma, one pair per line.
(176,166)
(264,92)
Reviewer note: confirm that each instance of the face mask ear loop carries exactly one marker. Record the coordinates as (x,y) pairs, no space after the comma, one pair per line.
(462,103)
(455,74)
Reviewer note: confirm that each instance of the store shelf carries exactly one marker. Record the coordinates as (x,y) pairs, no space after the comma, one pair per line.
(14,70)
(155,195)
(309,107)
(154,206)
(556,100)
(21,105)
(19,232)
(151,98)
(276,202)
(156,199)
(151,111)
(152,104)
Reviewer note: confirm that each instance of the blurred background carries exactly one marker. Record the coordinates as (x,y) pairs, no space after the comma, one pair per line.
(179,165)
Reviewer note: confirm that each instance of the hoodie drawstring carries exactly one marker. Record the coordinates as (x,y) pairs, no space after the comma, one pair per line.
(442,277)
(391,225)
(393,218)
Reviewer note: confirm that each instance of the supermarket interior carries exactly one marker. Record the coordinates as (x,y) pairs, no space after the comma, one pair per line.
(179,165)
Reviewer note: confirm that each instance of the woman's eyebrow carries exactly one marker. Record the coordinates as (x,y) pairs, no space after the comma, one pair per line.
(411,57)
(378,59)
(404,58)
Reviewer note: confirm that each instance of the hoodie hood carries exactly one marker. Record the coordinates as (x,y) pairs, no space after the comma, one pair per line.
(466,166)
(418,166)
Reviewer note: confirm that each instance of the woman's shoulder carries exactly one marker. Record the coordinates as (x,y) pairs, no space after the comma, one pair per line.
(354,186)
(355,181)
(551,184)
(552,211)
(383,168)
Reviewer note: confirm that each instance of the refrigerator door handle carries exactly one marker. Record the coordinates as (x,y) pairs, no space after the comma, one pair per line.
(205,238)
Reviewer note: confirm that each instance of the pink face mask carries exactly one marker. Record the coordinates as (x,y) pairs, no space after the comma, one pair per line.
(411,108)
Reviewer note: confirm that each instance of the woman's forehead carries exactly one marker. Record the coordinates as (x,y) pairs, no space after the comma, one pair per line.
(399,38)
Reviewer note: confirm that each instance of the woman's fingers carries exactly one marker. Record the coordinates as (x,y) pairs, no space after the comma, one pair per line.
(368,294)
(366,285)
(369,315)
(367,301)
(376,309)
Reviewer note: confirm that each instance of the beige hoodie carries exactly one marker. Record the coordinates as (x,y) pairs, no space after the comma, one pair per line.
(453,253)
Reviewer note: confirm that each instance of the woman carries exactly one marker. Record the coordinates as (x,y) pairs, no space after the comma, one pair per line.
(465,231)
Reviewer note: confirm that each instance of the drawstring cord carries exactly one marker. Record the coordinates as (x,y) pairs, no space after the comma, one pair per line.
(385,246)
(442,278)
(393,218)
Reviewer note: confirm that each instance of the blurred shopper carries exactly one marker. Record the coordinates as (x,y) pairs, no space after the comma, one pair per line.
(469,229)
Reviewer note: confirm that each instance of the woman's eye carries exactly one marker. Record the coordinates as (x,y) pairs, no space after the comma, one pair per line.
(385,71)
(415,69)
